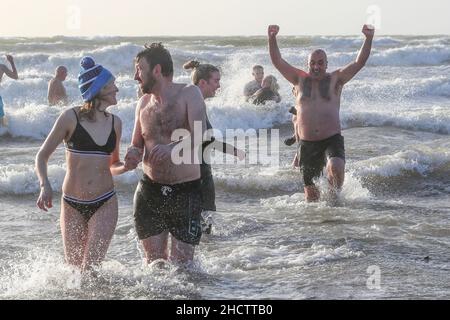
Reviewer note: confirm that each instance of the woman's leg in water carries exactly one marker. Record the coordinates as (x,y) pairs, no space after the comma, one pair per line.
(74,234)
(101,228)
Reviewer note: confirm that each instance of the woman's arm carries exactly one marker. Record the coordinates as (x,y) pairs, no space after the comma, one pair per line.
(226,148)
(116,166)
(55,137)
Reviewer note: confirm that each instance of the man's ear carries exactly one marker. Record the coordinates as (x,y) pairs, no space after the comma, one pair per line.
(157,70)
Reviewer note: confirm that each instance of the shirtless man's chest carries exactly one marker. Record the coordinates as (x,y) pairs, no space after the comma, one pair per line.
(159,120)
(318,104)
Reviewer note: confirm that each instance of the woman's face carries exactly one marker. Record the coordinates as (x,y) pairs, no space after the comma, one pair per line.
(267,82)
(108,94)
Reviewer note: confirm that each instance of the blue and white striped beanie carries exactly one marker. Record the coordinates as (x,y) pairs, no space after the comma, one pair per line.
(92,78)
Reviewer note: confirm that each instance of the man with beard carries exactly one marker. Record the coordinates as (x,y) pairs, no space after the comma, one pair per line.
(167,202)
(317,122)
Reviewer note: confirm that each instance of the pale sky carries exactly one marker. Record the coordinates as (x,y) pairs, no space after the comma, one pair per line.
(44,18)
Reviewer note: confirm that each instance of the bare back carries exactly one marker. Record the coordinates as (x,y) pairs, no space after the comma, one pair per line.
(56,92)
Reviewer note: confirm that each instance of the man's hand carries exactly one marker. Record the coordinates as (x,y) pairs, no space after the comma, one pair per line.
(368,30)
(159,154)
(9,58)
(133,157)
(272,30)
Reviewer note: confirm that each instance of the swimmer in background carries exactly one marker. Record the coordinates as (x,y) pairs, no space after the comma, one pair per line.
(268,92)
(56,92)
(13,75)
(207,78)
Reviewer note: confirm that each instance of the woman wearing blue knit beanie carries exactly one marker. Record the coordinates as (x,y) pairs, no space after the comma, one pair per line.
(89,207)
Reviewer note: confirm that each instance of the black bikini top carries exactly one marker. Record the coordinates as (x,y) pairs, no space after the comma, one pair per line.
(81,141)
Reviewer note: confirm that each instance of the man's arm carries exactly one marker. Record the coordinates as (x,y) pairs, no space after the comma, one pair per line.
(50,93)
(289,72)
(196,112)
(136,150)
(10,73)
(136,139)
(346,73)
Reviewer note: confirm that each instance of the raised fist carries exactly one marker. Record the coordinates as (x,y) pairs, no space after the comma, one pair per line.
(368,30)
(272,30)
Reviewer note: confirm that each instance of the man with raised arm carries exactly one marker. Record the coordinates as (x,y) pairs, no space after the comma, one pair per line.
(13,75)
(317,103)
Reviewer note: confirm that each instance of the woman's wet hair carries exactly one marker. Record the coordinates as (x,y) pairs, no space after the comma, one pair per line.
(200,71)
(273,83)
(87,110)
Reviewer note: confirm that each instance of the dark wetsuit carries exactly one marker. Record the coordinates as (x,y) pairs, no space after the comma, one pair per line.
(265,95)
(208,189)
(82,143)
(314,154)
(2,113)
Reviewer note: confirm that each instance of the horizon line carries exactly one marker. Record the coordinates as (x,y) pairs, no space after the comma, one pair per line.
(224,36)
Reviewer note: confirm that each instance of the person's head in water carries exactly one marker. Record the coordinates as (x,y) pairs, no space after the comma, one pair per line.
(152,65)
(61,73)
(271,83)
(317,63)
(258,73)
(97,87)
(205,76)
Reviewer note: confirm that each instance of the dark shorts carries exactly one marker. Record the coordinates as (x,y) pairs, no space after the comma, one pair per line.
(208,189)
(314,154)
(175,208)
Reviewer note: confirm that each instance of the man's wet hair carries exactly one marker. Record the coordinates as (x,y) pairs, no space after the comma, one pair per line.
(256,67)
(155,54)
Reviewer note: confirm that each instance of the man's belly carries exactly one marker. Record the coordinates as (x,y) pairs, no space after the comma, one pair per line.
(172,174)
(314,127)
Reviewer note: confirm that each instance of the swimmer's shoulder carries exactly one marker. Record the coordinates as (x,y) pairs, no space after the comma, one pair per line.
(143,102)
(190,91)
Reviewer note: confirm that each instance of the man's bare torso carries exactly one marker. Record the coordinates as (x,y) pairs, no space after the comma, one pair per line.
(318,104)
(158,121)
(56,92)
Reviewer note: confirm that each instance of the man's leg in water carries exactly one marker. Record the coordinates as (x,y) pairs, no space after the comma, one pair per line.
(181,252)
(312,193)
(155,247)
(336,173)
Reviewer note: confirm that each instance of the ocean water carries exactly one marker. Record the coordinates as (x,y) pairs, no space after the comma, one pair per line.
(389,238)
